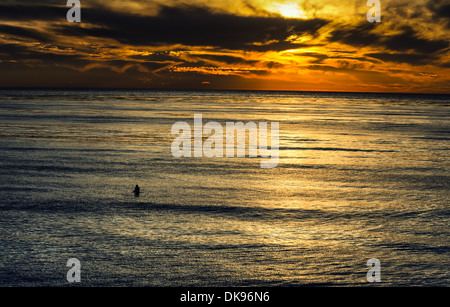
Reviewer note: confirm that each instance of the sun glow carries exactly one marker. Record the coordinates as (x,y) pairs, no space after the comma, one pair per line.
(288,10)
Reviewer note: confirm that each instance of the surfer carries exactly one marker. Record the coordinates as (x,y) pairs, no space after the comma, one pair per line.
(137,190)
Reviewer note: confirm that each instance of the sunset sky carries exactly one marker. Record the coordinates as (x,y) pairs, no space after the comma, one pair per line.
(324,45)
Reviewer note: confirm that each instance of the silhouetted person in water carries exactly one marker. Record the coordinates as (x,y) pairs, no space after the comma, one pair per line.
(137,190)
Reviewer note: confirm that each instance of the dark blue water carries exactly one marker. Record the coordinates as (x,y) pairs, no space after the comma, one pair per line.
(360,176)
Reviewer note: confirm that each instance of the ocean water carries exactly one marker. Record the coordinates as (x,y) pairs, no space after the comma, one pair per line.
(360,176)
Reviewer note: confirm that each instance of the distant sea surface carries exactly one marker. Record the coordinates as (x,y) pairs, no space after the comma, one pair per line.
(360,176)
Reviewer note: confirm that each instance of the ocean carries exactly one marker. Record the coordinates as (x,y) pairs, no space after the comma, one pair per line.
(360,176)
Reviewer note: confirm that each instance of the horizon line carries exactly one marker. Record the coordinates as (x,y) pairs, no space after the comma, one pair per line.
(209,90)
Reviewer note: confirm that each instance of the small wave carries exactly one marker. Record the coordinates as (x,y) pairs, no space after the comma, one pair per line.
(335,149)
(432,138)
(417,248)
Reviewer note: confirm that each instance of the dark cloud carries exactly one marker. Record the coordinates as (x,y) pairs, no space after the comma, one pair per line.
(440,10)
(32,12)
(17,52)
(342,66)
(408,40)
(443,11)
(358,36)
(166,57)
(227,59)
(10,53)
(193,26)
(272,64)
(127,65)
(320,57)
(273,46)
(409,58)
(24,33)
